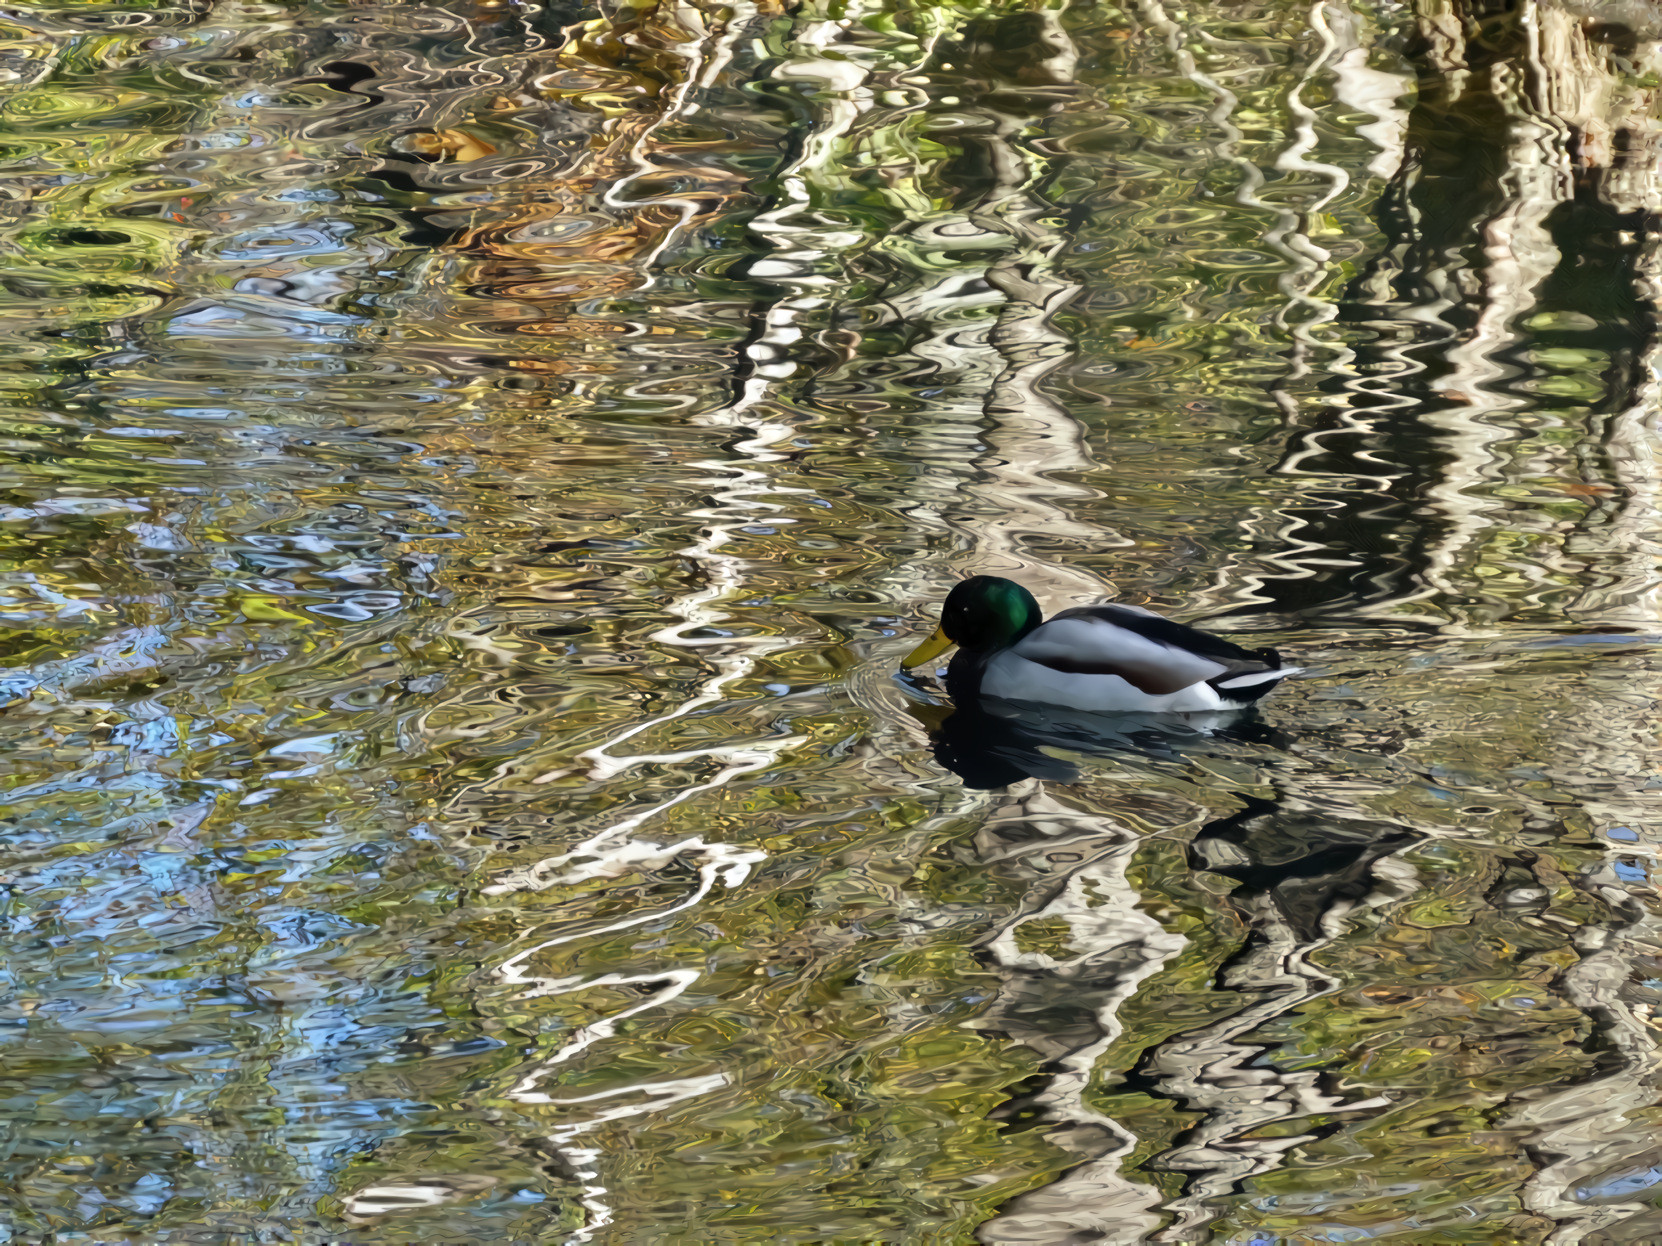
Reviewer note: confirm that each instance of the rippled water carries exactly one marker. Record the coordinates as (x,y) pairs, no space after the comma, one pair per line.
(470,472)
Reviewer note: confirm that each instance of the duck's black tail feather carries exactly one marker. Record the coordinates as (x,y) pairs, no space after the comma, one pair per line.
(1245,687)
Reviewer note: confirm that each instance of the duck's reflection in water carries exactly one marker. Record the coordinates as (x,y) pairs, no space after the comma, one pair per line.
(992,744)
(1280,872)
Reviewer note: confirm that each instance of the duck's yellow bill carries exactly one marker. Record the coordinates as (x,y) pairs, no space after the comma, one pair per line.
(936,645)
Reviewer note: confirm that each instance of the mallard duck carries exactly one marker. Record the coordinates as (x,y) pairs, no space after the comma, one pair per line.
(1103,659)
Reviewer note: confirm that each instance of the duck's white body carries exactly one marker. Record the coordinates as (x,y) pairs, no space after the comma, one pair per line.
(1014,678)
(1124,659)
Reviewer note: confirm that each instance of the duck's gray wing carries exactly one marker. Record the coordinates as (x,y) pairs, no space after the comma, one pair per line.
(1152,654)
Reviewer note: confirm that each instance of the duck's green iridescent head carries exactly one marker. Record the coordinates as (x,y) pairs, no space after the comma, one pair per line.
(982,614)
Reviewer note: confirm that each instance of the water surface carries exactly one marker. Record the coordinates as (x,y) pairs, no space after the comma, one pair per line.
(470,472)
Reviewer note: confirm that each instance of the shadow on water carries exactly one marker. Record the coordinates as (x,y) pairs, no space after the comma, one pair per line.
(1302,861)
